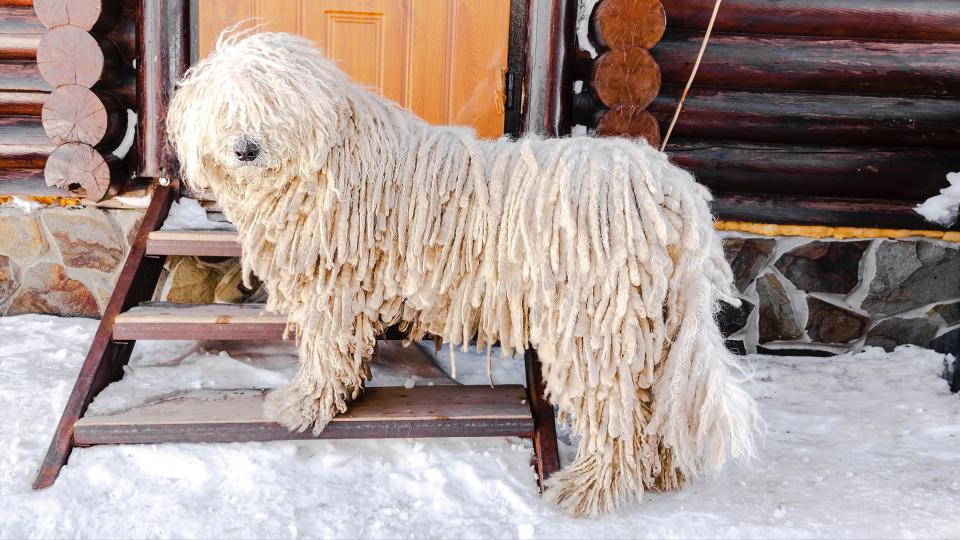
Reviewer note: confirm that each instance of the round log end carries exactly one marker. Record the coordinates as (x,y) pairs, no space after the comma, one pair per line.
(630,121)
(74,113)
(628,23)
(99,15)
(82,169)
(628,76)
(70,55)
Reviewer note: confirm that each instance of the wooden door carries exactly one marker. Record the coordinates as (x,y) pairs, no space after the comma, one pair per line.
(445,60)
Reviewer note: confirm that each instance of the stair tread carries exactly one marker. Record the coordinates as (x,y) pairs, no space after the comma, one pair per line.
(387,412)
(213,243)
(164,320)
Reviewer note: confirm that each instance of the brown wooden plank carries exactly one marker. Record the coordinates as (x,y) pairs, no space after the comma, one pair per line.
(545,448)
(910,174)
(389,412)
(840,66)
(22,103)
(19,20)
(924,20)
(807,210)
(21,76)
(201,243)
(825,119)
(160,320)
(106,357)
(26,182)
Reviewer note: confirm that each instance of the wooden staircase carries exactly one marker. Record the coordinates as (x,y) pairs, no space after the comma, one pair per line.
(231,416)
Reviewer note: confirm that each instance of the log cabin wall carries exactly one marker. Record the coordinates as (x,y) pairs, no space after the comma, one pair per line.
(66,84)
(803,111)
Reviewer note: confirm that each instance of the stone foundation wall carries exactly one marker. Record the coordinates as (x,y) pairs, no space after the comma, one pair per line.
(801,296)
(62,261)
(804,296)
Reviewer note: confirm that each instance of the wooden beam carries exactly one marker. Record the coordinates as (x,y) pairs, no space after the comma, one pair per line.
(204,321)
(106,358)
(904,174)
(825,119)
(21,103)
(807,210)
(97,16)
(70,55)
(200,243)
(620,24)
(761,62)
(74,113)
(916,20)
(381,413)
(548,83)
(546,451)
(81,168)
(163,57)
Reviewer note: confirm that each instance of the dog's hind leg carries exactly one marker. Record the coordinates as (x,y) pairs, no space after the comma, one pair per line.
(616,460)
(333,367)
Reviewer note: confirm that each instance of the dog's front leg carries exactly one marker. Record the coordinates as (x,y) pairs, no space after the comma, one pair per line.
(333,367)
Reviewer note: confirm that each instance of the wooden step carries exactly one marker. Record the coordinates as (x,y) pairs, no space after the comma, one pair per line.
(382,413)
(162,320)
(185,242)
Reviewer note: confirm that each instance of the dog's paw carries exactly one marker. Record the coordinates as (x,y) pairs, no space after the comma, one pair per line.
(586,488)
(297,410)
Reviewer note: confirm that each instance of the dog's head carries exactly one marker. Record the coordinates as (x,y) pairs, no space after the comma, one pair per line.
(261,108)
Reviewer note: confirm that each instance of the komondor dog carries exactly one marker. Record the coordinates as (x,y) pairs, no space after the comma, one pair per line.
(358,215)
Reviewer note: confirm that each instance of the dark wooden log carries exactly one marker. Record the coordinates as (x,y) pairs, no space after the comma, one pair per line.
(20,33)
(18,46)
(16,76)
(19,20)
(629,121)
(89,15)
(23,144)
(83,169)
(163,56)
(545,448)
(883,173)
(69,55)
(105,359)
(548,84)
(73,113)
(22,103)
(618,24)
(33,176)
(811,64)
(626,76)
(916,20)
(806,210)
(812,118)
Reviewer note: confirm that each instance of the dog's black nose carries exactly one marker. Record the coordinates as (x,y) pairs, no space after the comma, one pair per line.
(246,150)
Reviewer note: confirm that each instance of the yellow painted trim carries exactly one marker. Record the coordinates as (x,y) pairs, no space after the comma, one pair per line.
(822,231)
(45,200)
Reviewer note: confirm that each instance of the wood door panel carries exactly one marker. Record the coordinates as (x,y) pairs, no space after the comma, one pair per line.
(443,59)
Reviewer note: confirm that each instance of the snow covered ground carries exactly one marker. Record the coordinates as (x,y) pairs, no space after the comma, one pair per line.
(857,446)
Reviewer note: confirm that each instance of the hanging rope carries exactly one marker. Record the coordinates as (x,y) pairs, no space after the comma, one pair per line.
(696,66)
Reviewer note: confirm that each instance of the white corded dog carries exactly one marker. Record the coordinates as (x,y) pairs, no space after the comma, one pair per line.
(358,215)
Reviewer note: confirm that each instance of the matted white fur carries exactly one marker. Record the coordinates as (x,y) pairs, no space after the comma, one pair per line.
(358,215)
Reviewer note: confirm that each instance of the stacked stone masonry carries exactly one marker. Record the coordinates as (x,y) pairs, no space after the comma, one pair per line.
(822,297)
(800,296)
